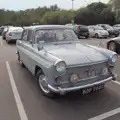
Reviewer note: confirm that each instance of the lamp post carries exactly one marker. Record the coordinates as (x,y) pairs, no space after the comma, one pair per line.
(72,4)
(72,21)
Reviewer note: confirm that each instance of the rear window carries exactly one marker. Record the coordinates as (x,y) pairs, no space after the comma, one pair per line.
(16,29)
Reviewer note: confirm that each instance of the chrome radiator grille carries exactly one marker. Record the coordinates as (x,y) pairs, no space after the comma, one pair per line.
(88,71)
(86,74)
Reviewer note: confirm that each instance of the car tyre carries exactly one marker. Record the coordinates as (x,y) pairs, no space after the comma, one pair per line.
(79,37)
(43,84)
(20,62)
(7,41)
(86,37)
(96,35)
(112,46)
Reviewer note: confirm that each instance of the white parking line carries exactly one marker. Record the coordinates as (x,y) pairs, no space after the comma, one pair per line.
(106,115)
(19,104)
(1,43)
(117,82)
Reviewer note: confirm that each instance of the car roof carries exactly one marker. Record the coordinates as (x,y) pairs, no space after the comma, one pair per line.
(47,27)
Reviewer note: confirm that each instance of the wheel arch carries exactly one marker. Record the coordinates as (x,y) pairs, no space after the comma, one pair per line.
(109,43)
(37,68)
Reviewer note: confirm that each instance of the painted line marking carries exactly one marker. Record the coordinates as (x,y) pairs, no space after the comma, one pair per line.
(106,115)
(116,82)
(19,104)
(1,42)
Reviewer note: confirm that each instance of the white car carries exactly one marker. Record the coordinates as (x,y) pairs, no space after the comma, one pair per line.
(117,27)
(70,25)
(97,32)
(13,34)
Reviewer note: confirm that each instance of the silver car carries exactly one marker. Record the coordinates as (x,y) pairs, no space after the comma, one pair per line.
(13,34)
(97,32)
(61,63)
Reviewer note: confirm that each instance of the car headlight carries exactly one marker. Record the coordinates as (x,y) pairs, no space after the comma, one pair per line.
(113,60)
(61,66)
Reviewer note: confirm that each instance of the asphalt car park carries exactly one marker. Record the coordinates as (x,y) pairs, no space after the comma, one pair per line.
(21,99)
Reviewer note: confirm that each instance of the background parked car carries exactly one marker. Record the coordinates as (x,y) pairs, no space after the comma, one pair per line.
(69,25)
(97,32)
(1,29)
(5,31)
(111,31)
(114,44)
(117,27)
(81,30)
(13,34)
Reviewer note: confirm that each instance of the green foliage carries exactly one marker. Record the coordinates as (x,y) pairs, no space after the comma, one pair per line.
(58,17)
(92,14)
(95,13)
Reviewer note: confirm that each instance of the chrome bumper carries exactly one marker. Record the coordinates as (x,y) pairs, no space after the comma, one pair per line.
(65,90)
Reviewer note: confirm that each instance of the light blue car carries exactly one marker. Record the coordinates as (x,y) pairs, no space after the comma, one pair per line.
(61,63)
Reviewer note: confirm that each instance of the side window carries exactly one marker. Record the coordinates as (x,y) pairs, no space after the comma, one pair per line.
(24,35)
(30,35)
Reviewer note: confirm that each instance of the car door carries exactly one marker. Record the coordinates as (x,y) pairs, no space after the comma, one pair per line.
(30,62)
(27,49)
(21,47)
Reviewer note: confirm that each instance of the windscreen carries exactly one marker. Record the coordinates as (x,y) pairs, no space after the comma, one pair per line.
(19,29)
(55,35)
(98,28)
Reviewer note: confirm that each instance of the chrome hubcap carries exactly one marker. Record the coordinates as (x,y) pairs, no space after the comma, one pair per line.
(43,84)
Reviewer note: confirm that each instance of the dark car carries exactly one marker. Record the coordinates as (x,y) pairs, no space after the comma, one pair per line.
(114,44)
(1,30)
(110,29)
(81,30)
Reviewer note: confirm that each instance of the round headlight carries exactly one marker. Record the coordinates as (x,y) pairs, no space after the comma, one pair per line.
(114,58)
(61,66)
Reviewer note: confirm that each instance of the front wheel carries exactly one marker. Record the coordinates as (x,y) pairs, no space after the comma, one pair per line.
(112,46)
(44,85)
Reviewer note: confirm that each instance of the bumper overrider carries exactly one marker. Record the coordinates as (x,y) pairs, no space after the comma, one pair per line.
(65,90)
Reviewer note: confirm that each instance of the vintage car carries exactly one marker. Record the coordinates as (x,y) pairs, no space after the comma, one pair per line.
(61,64)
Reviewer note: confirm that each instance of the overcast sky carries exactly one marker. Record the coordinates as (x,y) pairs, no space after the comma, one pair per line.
(25,4)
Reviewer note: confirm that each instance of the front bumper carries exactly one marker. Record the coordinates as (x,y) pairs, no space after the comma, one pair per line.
(65,90)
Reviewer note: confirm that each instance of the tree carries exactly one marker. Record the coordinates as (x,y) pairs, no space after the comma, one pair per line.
(97,7)
(116,8)
(115,4)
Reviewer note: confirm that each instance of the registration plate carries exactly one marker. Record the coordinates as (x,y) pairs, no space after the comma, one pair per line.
(92,89)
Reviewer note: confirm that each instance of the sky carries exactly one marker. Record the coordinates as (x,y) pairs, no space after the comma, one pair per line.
(25,4)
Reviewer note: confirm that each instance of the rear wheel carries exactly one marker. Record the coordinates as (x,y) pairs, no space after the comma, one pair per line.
(7,41)
(44,85)
(96,35)
(20,62)
(79,36)
(86,37)
(112,46)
